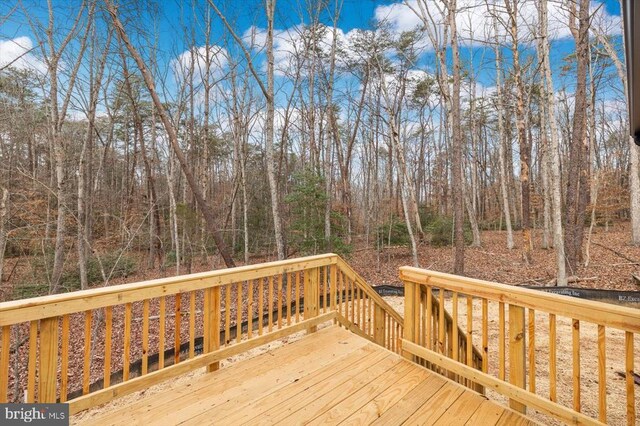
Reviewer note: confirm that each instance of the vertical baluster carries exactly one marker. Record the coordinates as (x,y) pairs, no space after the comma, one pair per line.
(126,342)
(455,337)
(631,409)
(470,330)
(289,288)
(575,334)
(192,324)
(250,310)
(428,312)
(352,295)
(108,327)
(370,307)
(553,374)
(333,286)
(357,316)
(297,296)
(441,328)
(64,359)
(501,348)
(342,292)
(365,314)
(239,312)
(423,318)
(145,336)
(227,314)
(532,350)
(31,371)
(602,375)
(4,363)
(388,332)
(161,332)
(325,294)
(260,305)
(279,300)
(86,374)
(270,304)
(346,296)
(485,335)
(177,327)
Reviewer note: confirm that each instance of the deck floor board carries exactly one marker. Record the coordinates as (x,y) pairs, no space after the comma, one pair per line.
(329,377)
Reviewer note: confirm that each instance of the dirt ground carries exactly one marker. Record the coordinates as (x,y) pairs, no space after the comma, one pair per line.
(612,261)
(616,391)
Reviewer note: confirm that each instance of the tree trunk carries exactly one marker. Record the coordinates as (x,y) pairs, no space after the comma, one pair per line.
(4,212)
(502,140)
(578,183)
(457,142)
(554,155)
(271,172)
(523,143)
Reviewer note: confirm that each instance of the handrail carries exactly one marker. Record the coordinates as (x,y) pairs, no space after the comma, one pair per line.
(347,269)
(514,353)
(59,304)
(609,315)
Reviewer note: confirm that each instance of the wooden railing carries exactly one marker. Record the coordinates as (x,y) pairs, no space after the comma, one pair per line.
(362,310)
(520,352)
(89,347)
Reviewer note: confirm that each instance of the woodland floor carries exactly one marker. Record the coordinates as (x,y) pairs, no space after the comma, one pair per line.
(612,262)
(494,262)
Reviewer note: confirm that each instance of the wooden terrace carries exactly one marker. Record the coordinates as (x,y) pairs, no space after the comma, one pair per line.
(329,377)
(357,360)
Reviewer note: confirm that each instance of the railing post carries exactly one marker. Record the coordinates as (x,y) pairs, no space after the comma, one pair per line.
(411,311)
(311,295)
(379,331)
(517,353)
(48,377)
(212,324)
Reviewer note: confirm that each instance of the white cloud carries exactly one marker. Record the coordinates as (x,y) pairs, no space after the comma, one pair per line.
(290,44)
(196,59)
(16,53)
(474,20)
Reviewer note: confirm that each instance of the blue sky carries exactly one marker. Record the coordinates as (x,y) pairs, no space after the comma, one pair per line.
(176,20)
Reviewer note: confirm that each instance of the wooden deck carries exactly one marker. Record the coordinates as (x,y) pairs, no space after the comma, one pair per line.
(328,377)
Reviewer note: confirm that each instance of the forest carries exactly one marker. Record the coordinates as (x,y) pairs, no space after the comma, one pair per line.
(144,135)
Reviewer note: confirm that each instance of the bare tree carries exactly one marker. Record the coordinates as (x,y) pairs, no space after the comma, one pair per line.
(578,165)
(634,150)
(554,155)
(268,91)
(206,209)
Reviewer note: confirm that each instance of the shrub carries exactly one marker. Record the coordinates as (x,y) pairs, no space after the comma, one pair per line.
(393,232)
(307,203)
(441,230)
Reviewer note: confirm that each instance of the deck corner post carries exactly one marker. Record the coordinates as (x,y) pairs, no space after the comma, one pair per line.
(311,295)
(48,377)
(212,324)
(517,353)
(379,331)
(411,309)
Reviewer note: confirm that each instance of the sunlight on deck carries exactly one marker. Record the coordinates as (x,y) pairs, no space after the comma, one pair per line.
(328,377)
